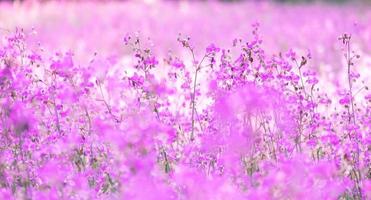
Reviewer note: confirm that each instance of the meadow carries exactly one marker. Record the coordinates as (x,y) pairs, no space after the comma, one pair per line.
(185,100)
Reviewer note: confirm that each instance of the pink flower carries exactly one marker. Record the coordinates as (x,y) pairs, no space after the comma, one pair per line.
(178,64)
(212,49)
(345,100)
(151,61)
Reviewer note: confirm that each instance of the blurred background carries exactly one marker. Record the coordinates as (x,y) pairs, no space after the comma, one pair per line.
(292,1)
(88,27)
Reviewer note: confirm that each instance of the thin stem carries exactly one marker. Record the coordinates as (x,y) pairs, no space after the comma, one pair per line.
(198,68)
(350,81)
(193,104)
(55,108)
(352,117)
(106,104)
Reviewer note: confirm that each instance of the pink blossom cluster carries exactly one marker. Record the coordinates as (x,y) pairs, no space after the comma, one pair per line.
(206,122)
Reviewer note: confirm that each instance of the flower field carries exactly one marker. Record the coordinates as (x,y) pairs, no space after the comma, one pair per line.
(185,100)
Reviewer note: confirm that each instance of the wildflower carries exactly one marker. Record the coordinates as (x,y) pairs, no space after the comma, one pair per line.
(212,49)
